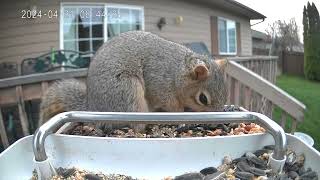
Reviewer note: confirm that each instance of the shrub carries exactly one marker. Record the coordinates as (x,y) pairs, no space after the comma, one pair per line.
(311,36)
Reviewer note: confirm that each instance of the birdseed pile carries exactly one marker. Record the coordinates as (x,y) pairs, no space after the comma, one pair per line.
(171,131)
(250,166)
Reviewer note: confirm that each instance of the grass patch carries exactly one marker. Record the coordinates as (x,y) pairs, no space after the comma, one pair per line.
(308,92)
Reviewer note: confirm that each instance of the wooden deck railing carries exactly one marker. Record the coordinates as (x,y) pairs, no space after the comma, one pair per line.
(17,90)
(247,89)
(265,66)
(255,93)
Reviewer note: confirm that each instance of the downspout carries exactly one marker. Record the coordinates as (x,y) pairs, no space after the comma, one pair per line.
(259,23)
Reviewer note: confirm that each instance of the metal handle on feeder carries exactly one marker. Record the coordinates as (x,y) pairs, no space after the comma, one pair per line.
(157,118)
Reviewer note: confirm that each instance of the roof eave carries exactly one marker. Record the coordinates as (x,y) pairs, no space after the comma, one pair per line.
(232,6)
(254,15)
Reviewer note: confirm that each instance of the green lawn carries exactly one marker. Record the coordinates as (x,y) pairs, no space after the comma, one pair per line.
(308,92)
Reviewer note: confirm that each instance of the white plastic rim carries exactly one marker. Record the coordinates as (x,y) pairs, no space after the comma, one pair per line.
(305,138)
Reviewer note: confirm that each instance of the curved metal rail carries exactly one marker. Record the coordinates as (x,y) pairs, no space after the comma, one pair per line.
(157,118)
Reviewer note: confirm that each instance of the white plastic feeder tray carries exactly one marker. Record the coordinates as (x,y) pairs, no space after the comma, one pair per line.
(140,157)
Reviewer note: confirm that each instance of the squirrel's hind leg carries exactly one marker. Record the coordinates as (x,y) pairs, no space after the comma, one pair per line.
(61,96)
(126,95)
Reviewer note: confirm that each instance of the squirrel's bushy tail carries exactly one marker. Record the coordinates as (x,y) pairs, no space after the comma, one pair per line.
(62,96)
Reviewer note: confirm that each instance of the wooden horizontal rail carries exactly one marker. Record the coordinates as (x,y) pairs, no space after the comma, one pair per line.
(253,58)
(50,76)
(33,84)
(276,95)
(37,78)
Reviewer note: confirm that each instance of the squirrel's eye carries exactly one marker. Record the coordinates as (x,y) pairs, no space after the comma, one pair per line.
(203,99)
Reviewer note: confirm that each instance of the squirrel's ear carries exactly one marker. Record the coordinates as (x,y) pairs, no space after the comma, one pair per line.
(222,63)
(200,72)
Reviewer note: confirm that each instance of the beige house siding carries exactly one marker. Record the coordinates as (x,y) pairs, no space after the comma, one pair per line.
(246,39)
(24,38)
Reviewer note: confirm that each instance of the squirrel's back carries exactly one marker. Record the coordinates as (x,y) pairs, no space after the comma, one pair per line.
(138,61)
(140,71)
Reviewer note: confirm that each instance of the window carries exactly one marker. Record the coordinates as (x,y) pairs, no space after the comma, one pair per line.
(227,36)
(122,19)
(86,27)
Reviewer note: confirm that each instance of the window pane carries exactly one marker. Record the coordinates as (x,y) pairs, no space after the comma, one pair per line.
(96,44)
(232,36)
(97,30)
(222,36)
(113,15)
(97,14)
(136,16)
(84,30)
(124,16)
(113,30)
(69,31)
(84,15)
(70,45)
(84,46)
(69,15)
(125,28)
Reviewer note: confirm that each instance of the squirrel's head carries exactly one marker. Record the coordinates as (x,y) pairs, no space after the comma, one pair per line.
(204,88)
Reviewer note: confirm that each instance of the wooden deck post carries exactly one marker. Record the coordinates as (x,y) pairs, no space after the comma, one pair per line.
(283,119)
(247,97)
(293,126)
(22,111)
(44,87)
(229,89)
(236,92)
(3,133)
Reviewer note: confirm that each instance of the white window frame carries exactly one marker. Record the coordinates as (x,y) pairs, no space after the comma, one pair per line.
(106,5)
(236,40)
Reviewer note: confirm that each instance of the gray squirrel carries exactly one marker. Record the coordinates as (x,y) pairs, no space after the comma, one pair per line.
(141,72)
